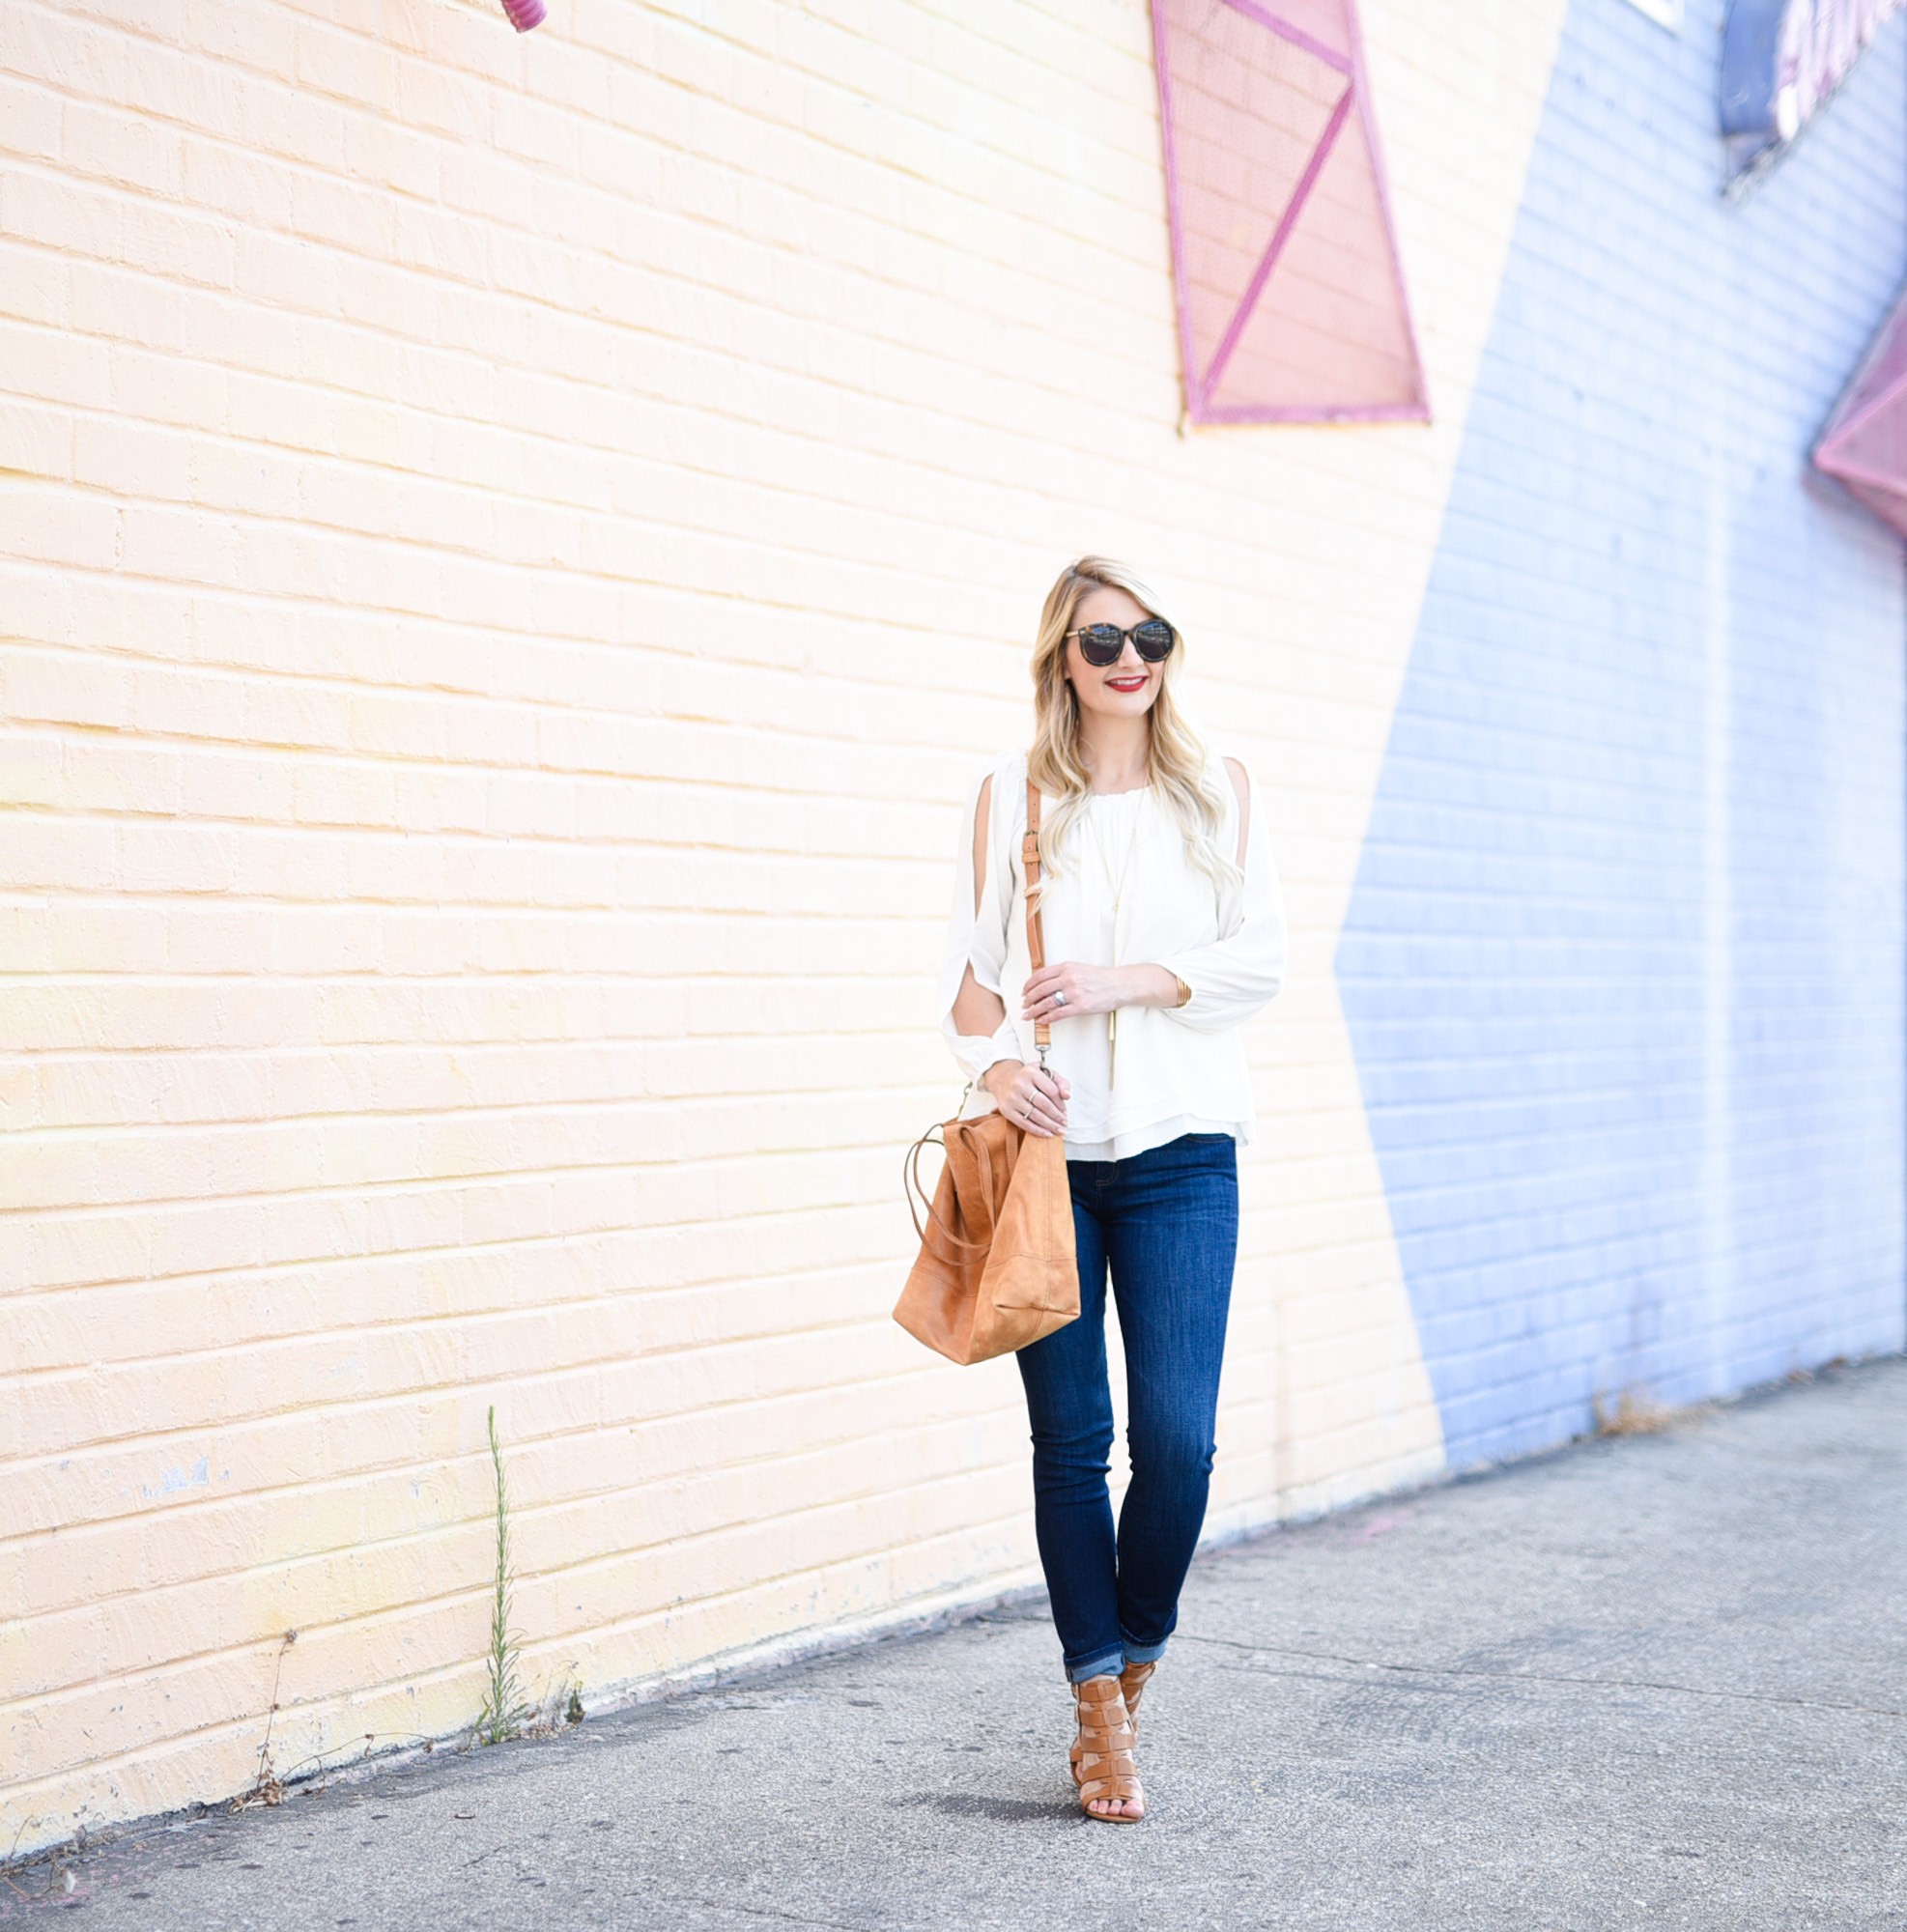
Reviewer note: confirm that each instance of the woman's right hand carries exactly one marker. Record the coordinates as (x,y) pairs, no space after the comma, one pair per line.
(1028,1097)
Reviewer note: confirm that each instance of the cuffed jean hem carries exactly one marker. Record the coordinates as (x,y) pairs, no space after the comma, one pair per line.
(1110,1662)
(1104,1663)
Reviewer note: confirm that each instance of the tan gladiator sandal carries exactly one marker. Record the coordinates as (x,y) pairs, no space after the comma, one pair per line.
(1132,1682)
(1104,1766)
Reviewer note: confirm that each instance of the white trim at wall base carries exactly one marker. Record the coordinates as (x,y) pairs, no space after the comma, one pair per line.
(913,1618)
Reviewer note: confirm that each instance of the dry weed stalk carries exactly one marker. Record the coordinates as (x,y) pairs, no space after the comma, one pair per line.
(268,1788)
(1634,1414)
(503,1708)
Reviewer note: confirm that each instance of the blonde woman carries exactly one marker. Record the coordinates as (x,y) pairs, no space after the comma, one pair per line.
(1160,902)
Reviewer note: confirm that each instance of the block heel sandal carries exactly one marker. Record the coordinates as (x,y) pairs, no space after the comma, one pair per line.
(1104,1766)
(1132,1682)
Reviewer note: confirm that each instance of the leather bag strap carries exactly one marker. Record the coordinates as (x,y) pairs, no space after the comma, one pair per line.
(910,1172)
(1036,952)
(1035,938)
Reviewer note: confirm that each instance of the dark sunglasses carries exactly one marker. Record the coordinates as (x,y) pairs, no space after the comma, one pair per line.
(1101,645)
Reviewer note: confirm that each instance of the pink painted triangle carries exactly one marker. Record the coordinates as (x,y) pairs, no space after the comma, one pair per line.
(1291,298)
(1864,445)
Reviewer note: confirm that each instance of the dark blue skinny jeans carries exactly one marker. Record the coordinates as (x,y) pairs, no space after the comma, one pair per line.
(1166,1222)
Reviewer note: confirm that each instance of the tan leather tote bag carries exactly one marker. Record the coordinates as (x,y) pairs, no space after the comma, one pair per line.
(996,1267)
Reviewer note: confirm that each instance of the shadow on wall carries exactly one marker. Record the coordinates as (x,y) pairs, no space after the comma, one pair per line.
(1624,964)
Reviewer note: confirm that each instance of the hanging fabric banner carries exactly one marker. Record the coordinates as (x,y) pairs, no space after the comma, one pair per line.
(1781,61)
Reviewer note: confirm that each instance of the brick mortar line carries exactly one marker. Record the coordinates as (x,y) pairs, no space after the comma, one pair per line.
(119,1134)
(268,1423)
(502,89)
(482,1519)
(1004,263)
(607,844)
(551,774)
(392,1255)
(660,1231)
(342,758)
(293,169)
(699,595)
(734,981)
(363,1189)
(817,1272)
(1038,450)
(202,1279)
(1647,1157)
(849,1283)
(552,777)
(546,576)
(261,1501)
(156,1672)
(480,1523)
(265,1423)
(552,1376)
(805,1640)
(700,598)
(806,382)
(434,701)
(467,1325)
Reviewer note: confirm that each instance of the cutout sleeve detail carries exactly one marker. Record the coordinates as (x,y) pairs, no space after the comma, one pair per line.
(1234,979)
(976,936)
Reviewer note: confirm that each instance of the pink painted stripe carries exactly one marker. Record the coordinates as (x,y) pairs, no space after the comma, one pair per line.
(1868,411)
(1187,354)
(1860,473)
(1361,80)
(1297,412)
(1297,37)
(1307,181)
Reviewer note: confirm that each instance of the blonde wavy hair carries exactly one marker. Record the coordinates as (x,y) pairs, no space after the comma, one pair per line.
(1181,770)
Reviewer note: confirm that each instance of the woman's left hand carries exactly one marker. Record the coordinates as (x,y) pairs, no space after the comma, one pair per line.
(1087,989)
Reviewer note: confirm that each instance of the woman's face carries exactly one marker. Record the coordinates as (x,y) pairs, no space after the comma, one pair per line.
(1127,687)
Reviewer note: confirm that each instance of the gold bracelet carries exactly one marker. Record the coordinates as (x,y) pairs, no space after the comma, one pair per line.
(1184,992)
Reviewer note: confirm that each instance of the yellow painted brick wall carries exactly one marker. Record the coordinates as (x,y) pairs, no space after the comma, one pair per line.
(511,553)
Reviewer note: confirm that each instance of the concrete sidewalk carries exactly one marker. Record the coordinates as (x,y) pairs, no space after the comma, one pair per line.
(1652,1682)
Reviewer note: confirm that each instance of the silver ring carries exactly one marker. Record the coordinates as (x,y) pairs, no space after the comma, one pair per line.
(1058,999)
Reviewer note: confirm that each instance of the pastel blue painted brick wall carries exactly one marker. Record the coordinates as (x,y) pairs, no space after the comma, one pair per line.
(1624,962)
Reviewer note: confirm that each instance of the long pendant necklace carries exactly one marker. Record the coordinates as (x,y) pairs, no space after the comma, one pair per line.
(1118,885)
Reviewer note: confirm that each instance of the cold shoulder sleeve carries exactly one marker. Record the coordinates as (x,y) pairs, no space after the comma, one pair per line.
(1234,978)
(978,937)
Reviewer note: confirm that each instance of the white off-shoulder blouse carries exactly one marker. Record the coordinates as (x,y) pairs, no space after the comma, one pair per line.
(1178,1071)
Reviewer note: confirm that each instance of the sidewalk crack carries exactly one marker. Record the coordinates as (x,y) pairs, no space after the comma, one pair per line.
(768,1912)
(1538,1677)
